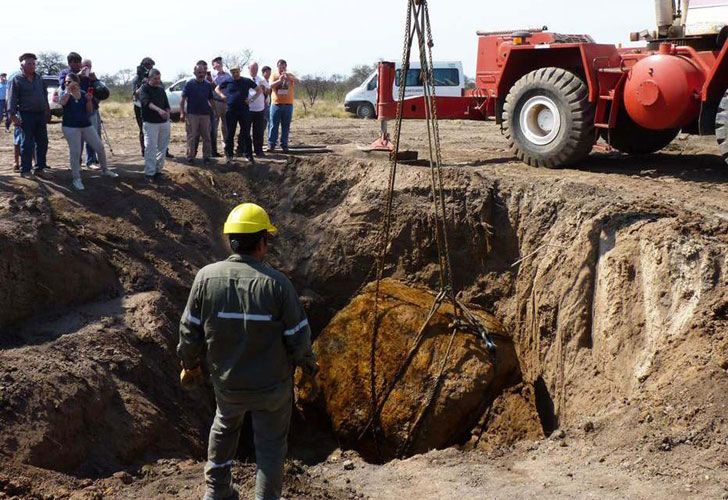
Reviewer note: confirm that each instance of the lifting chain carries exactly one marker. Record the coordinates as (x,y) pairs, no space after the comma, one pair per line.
(418,25)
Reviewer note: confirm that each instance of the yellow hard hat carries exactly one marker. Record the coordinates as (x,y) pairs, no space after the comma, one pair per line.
(248,218)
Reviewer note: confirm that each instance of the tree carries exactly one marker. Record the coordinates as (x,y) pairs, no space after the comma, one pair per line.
(124,77)
(239,59)
(359,73)
(314,87)
(50,63)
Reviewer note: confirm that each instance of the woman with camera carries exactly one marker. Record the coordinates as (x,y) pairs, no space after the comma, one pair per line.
(77,128)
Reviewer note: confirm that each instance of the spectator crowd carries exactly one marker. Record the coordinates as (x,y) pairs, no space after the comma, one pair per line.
(216,104)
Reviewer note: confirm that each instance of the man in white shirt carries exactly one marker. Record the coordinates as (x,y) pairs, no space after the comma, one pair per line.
(257,108)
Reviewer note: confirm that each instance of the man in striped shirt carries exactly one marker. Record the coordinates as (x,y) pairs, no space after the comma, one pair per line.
(247,318)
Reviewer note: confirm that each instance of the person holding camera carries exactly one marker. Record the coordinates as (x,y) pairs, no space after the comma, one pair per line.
(155,112)
(219,75)
(89,84)
(282,87)
(257,109)
(78,106)
(142,74)
(195,111)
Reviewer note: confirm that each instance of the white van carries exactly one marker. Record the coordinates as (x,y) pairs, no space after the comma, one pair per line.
(449,81)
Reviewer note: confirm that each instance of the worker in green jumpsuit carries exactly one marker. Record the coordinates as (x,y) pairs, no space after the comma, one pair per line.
(246,318)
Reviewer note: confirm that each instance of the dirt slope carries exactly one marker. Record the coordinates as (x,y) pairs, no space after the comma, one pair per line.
(611,278)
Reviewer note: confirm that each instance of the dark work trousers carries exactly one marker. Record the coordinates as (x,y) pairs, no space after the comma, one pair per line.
(35,140)
(234,117)
(140,123)
(257,119)
(213,131)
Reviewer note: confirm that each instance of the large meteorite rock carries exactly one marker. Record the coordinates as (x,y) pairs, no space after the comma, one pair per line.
(471,378)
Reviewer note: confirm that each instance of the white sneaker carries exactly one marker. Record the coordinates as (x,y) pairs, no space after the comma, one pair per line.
(110,173)
(78,185)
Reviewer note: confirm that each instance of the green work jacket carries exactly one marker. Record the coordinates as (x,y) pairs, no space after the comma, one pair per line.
(248,319)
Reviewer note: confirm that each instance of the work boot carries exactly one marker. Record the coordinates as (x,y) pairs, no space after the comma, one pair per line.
(235,495)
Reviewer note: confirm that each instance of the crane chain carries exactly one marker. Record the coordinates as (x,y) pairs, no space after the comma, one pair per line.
(419,11)
(385,236)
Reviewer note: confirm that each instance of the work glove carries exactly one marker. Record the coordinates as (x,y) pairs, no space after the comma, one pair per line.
(308,365)
(192,378)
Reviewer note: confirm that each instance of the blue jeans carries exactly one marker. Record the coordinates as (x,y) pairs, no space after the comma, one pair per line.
(280,114)
(3,108)
(35,139)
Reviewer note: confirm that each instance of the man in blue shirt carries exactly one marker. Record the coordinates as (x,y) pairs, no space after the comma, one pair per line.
(3,95)
(28,108)
(236,91)
(195,110)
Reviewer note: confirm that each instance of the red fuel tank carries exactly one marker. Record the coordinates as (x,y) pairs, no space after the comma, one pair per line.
(663,92)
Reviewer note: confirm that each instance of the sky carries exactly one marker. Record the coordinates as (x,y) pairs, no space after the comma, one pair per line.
(315,36)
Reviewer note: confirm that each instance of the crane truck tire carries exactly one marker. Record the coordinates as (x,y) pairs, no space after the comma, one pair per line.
(548,119)
(633,139)
(721,127)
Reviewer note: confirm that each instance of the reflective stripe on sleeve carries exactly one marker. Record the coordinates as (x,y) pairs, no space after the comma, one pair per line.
(193,320)
(296,328)
(249,317)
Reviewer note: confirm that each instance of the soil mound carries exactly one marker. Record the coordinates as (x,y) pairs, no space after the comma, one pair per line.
(405,425)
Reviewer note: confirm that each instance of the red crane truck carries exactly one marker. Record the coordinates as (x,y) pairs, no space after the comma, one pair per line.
(556,95)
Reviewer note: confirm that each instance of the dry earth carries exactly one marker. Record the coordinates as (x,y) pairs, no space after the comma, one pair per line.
(611,278)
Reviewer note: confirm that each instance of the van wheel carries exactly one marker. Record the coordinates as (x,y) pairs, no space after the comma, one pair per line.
(365,111)
(548,119)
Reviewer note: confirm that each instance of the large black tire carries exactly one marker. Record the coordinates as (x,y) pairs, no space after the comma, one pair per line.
(548,119)
(365,111)
(633,139)
(721,127)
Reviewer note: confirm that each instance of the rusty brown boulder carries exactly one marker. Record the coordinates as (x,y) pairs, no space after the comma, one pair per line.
(404,425)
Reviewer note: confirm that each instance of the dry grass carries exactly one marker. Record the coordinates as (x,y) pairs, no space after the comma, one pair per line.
(117,109)
(324,108)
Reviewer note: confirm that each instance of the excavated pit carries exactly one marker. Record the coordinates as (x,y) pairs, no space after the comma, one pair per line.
(609,297)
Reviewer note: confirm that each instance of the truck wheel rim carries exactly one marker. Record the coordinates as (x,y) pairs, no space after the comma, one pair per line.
(540,120)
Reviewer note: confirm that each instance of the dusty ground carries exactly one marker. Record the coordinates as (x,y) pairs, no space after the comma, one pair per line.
(611,277)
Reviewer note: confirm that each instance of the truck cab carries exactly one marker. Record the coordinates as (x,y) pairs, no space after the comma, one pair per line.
(449,81)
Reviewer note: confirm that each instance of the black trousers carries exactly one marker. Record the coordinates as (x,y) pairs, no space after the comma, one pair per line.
(258,120)
(140,124)
(233,118)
